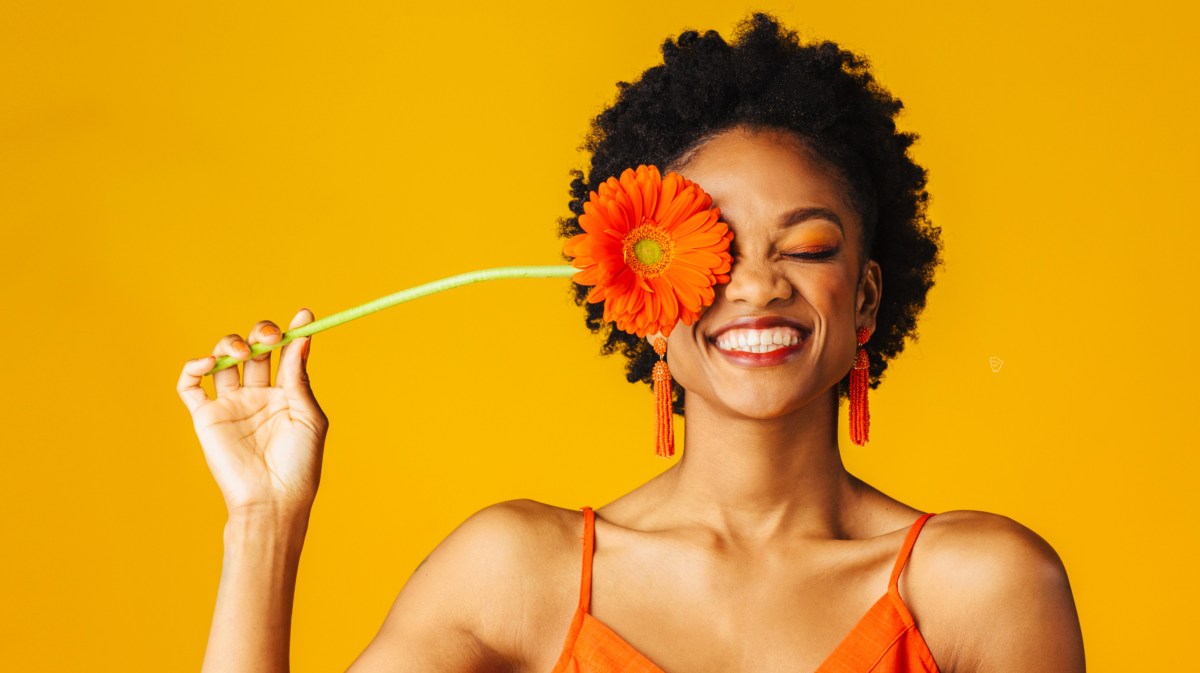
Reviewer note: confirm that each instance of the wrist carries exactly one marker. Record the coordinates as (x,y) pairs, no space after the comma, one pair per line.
(282,529)
(270,511)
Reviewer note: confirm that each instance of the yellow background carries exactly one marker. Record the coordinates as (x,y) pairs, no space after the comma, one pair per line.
(171,173)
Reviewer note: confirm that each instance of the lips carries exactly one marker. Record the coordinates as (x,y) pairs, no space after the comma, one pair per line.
(767,358)
(761,341)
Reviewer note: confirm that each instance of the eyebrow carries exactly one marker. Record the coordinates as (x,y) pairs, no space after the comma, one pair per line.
(811,213)
(804,214)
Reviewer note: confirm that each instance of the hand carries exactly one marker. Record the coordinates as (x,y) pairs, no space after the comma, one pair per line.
(263,442)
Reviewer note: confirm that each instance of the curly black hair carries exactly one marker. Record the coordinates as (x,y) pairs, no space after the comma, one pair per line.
(825,96)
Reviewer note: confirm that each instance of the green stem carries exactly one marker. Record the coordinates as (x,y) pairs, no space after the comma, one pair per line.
(399,298)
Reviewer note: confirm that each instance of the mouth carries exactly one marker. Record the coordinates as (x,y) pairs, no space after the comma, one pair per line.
(759,340)
(760,347)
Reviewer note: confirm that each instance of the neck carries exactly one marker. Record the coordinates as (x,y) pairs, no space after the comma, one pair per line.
(756,479)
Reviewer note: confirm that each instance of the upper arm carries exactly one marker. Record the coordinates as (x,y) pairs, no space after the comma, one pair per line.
(1017,605)
(452,613)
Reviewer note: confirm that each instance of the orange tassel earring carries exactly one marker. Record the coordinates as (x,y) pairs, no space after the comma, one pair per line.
(860,416)
(664,428)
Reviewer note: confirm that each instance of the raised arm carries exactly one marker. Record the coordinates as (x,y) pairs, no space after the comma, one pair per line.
(263,443)
(252,621)
(468,608)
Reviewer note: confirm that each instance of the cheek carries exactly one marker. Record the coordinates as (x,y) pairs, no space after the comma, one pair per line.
(684,353)
(828,289)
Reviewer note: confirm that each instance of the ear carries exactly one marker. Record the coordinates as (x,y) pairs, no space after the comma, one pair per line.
(868,295)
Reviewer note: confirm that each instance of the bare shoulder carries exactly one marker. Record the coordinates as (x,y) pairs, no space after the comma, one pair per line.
(477,601)
(987,545)
(513,534)
(993,595)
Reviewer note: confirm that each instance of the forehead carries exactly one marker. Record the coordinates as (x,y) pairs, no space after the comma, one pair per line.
(758,175)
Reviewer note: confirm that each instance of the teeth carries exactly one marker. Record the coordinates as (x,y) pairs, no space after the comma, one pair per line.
(758,340)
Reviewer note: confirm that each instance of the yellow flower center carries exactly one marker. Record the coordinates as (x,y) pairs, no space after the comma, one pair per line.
(648,250)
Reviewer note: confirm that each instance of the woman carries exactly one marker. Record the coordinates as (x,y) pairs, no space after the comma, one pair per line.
(757,550)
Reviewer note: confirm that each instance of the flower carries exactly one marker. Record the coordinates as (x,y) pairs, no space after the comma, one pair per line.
(652,250)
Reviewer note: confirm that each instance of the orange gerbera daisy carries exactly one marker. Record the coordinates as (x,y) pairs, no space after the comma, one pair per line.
(652,249)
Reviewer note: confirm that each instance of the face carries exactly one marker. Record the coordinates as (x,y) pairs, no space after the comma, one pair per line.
(795,281)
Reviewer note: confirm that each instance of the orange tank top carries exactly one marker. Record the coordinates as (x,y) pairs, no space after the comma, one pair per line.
(885,639)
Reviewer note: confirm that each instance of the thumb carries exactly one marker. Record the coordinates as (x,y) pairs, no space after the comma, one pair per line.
(293,369)
(295,382)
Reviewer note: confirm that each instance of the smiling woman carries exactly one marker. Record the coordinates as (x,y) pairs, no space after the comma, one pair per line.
(824,103)
(757,550)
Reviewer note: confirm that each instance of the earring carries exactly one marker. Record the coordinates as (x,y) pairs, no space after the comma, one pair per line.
(860,416)
(664,429)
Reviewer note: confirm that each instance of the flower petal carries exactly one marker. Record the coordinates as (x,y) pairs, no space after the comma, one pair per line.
(704,218)
(666,294)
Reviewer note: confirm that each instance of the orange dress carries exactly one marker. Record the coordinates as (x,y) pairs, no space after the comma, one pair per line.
(885,639)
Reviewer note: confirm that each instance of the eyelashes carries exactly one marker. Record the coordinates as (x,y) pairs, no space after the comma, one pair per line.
(802,256)
(820,254)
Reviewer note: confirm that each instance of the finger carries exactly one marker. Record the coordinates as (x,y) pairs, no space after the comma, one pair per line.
(189,389)
(290,368)
(228,380)
(293,377)
(256,373)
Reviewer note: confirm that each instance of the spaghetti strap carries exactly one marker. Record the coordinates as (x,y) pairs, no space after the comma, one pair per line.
(585,582)
(905,550)
(885,640)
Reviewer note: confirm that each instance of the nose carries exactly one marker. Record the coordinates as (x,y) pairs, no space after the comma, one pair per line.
(756,283)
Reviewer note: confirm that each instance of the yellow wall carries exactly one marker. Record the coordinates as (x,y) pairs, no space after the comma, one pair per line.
(170,174)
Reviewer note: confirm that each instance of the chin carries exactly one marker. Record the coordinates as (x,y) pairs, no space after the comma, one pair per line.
(760,408)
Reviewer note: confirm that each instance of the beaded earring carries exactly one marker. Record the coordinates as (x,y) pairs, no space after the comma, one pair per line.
(860,416)
(664,429)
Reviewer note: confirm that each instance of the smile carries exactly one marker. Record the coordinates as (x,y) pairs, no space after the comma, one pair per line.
(760,347)
(758,340)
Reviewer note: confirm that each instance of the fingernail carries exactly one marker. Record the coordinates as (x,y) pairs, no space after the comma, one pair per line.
(304,348)
(270,331)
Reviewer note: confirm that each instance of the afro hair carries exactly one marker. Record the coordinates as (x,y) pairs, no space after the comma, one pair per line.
(768,79)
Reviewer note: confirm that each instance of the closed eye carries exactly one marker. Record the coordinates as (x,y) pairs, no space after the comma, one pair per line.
(819,254)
